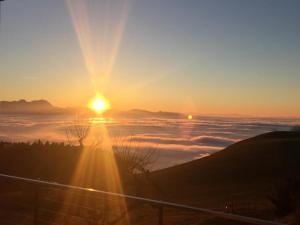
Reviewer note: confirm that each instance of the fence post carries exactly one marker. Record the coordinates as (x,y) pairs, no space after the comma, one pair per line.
(36,205)
(160,215)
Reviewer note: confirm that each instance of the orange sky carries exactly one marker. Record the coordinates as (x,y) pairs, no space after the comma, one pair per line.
(144,55)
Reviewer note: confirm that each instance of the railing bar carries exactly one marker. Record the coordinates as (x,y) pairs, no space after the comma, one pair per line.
(156,202)
(74,193)
(77,194)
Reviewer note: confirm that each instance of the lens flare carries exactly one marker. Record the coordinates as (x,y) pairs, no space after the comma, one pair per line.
(99,26)
(99,104)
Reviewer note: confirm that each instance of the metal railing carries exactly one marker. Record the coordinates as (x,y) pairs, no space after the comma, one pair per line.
(160,205)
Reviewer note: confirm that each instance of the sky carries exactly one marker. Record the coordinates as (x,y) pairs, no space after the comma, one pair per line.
(208,57)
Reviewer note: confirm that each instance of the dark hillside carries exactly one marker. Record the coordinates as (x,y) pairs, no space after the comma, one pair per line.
(243,175)
(45,161)
(238,179)
(270,156)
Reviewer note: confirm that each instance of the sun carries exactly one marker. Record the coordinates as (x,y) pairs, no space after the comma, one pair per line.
(99,104)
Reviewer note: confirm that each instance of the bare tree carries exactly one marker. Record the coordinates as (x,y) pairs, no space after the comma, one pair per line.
(136,163)
(79,130)
(134,159)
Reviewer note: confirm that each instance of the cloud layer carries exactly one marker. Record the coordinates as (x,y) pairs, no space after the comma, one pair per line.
(176,140)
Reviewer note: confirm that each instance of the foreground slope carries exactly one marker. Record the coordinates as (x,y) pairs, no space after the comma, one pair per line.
(267,156)
(237,179)
(245,173)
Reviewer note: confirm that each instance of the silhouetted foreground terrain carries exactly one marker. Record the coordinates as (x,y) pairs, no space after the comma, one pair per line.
(265,157)
(244,176)
(256,177)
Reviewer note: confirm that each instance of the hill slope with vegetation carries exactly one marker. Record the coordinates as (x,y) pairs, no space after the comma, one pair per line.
(256,177)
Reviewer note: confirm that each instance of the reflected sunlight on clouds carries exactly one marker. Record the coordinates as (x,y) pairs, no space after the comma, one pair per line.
(176,139)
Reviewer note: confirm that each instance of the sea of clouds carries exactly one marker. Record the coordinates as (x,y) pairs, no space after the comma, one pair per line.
(175,139)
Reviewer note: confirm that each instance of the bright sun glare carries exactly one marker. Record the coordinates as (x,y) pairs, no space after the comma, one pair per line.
(99,104)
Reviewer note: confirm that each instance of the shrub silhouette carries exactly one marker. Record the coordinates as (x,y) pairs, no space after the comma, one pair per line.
(58,161)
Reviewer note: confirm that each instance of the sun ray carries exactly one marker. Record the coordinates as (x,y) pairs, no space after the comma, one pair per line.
(97,167)
(99,43)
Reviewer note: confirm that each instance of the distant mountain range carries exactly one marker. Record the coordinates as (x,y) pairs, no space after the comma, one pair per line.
(141,113)
(23,106)
(44,107)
